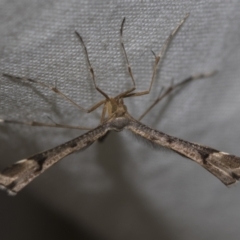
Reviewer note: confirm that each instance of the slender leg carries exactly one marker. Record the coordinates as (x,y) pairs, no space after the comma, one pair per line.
(90,66)
(103,113)
(172,87)
(40,124)
(159,57)
(127,61)
(54,89)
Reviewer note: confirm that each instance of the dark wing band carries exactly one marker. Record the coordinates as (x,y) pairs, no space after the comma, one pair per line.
(224,166)
(17,176)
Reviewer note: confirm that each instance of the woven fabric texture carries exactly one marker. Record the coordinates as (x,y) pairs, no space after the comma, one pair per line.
(123,188)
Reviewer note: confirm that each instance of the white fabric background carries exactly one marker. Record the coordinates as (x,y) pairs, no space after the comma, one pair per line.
(121,188)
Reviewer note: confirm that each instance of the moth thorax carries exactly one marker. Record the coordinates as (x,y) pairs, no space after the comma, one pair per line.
(116,107)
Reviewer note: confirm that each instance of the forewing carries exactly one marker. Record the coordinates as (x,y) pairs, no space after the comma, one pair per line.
(17,176)
(224,166)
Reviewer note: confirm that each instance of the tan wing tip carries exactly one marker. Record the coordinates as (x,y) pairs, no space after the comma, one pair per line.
(17,176)
(231,185)
(9,191)
(7,184)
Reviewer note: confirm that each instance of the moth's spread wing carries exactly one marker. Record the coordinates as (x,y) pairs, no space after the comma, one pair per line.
(224,166)
(24,171)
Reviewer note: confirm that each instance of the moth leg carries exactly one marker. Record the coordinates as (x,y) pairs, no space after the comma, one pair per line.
(90,66)
(40,124)
(127,61)
(104,111)
(159,57)
(54,89)
(173,87)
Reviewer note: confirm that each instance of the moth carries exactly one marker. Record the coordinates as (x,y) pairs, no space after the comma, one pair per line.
(115,117)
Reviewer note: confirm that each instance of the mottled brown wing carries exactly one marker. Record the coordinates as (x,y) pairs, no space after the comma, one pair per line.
(224,166)
(17,176)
